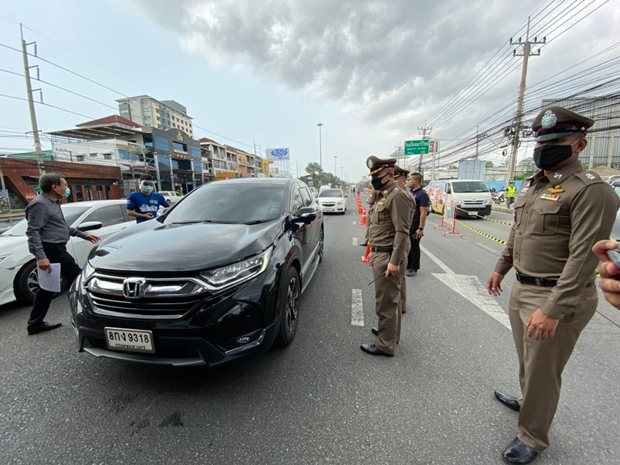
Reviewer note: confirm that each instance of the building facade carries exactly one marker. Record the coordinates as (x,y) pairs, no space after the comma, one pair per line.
(151,113)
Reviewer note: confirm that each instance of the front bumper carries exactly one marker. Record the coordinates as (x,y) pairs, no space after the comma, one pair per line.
(334,209)
(465,211)
(217,330)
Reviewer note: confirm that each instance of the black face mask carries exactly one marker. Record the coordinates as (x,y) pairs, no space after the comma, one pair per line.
(547,157)
(377,183)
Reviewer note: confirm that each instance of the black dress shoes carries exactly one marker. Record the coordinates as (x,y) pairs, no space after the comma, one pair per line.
(375,331)
(372,350)
(363,244)
(43,327)
(508,401)
(518,452)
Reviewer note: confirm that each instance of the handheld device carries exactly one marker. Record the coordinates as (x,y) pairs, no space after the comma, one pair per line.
(614,256)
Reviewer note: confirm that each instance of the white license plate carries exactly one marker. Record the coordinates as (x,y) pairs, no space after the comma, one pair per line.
(472,213)
(133,340)
(328,209)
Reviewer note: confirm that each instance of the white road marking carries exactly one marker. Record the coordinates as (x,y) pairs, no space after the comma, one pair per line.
(355,222)
(471,289)
(355,241)
(357,308)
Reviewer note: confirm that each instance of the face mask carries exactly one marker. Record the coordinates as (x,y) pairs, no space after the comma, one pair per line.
(547,157)
(67,193)
(147,189)
(377,183)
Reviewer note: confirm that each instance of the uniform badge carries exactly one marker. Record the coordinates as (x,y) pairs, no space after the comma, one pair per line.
(552,197)
(523,191)
(369,164)
(549,119)
(557,176)
(555,190)
(590,176)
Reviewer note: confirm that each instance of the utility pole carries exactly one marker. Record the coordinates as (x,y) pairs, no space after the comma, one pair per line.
(335,168)
(526,53)
(320,125)
(423,130)
(33,114)
(155,159)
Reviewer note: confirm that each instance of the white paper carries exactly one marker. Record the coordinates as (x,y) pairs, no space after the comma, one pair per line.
(50,281)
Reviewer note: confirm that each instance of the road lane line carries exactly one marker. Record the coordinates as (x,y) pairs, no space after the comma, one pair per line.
(355,222)
(471,289)
(357,308)
(355,241)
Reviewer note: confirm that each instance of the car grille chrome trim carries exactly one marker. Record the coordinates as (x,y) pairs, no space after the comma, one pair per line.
(158,298)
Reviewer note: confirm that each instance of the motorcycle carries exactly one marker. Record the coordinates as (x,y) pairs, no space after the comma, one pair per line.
(498,198)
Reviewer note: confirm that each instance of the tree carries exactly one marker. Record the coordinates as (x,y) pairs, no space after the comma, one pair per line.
(489,164)
(314,169)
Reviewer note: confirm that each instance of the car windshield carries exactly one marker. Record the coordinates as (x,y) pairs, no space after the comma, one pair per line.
(331,193)
(70,212)
(230,202)
(469,187)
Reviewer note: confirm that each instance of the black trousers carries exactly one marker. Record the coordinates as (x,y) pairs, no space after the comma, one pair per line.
(413,259)
(69,270)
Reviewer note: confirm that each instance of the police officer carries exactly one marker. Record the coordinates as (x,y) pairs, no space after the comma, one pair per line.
(560,213)
(371,202)
(388,235)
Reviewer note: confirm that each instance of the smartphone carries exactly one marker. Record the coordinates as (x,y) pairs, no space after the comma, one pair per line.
(614,256)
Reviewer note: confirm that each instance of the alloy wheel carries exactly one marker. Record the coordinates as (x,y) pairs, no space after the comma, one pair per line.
(292,304)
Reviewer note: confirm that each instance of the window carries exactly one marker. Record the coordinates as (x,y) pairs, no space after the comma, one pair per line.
(100,192)
(78,194)
(89,192)
(107,156)
(93,154)
(469,187)
(197,166)
(80,158)
(305,195)
(296,202)
(110,215)
(179,147)
(161,143)
(108,192)
(195,151)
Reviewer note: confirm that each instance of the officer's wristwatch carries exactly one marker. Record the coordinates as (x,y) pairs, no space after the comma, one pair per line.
(421,229)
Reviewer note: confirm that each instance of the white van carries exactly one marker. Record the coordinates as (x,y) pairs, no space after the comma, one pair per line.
(471,196)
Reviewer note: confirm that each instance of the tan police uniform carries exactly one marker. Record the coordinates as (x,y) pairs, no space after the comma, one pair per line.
(398,172)
(371,202)
(559,216)
(389,236)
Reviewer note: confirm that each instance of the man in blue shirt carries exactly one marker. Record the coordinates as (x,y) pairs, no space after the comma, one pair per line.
(143,205)
(416,231)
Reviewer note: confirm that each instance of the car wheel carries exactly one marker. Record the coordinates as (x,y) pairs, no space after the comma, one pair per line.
(288,307)
(26,283)
(321,245)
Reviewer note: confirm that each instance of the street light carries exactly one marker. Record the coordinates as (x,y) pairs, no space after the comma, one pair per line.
(320,125)
(335,169)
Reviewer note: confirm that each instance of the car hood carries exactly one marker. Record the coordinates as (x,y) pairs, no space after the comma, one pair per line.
(9,244)
(330,199)
(154,247)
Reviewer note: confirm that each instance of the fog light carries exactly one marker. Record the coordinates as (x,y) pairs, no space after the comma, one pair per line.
(243,340)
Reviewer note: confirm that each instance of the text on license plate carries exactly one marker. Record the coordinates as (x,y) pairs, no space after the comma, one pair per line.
(133,340)
(472,213)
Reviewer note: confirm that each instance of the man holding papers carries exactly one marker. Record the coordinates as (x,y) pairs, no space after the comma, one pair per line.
(48,234)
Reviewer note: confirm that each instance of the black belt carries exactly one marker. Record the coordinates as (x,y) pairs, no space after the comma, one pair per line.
(381,249)
(523,279)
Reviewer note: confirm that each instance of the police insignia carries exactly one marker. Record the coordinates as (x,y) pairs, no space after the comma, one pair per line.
(557,176)
(369,164)
(555,190)
(590,176)
(552,197)
(549,119)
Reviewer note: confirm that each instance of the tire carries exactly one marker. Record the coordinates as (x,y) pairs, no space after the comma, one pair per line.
(26,283)
(322,246)
(288,307)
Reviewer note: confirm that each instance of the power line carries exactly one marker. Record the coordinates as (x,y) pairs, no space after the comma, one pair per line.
(47,105)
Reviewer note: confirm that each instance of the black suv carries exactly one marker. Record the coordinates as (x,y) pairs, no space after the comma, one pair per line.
(217,277)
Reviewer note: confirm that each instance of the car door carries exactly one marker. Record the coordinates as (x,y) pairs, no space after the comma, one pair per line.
(301,230)
(313,230)
(112,218)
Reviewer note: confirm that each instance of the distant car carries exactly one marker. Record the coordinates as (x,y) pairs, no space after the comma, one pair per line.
(171,197)
(332,201)
(18,274)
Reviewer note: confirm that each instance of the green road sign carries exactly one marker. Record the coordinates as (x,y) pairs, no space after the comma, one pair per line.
(417,147)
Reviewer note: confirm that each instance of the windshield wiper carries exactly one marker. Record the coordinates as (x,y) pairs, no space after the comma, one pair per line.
(259,221)
(203,221)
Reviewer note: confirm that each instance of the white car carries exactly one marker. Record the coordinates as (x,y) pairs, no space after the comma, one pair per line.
(171,197)
(332,201)
(18,276)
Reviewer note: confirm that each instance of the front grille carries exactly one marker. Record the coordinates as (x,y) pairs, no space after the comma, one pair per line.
(328,204)
(151,298)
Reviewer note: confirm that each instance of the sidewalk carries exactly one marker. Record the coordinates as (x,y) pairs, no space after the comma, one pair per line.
(502,208)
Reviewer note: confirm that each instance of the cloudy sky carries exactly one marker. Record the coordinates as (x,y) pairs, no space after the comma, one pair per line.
(267,71)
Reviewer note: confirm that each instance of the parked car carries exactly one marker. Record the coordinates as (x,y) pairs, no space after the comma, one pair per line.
(171,197)
(18,275)
(217,277)
(471,197)
(332,201)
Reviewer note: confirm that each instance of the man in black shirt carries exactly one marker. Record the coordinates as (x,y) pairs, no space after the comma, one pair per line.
(419,220)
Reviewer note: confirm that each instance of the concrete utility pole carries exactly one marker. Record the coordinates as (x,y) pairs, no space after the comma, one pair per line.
(335,169)
(320,125)
(156,160)
(526,53)
(423,131)
(33,114)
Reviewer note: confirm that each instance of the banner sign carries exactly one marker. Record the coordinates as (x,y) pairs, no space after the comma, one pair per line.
(277,154)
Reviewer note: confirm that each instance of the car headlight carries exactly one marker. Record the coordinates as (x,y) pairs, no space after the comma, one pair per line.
(488,202)
(341,202)
(458,204)
(237,273)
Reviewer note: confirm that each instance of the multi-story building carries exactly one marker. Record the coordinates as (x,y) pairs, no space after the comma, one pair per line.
(604,138)
(149,112)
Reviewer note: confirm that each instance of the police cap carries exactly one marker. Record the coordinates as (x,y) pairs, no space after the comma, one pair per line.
(556,122)
(376,165)
(398,172)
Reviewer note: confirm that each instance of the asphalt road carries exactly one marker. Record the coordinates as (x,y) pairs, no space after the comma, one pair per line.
(320,400)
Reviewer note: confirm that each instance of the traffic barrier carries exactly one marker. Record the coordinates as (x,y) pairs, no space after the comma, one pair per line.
(483,217)
(366,254)
(360,209)
(449,216)
(443,224)
(363,221)
(488,236)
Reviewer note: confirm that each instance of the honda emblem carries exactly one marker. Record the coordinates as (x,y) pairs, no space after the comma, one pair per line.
(133,288)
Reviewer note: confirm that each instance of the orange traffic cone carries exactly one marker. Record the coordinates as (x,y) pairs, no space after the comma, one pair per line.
(363,222)
(365,256)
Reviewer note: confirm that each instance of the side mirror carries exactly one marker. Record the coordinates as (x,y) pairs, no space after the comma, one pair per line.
(306,215)
(90,226)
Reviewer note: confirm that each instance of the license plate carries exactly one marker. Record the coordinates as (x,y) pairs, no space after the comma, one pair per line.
(133,340)
(472,213)
(328,209)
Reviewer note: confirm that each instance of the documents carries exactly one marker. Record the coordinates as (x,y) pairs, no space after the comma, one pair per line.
(50,281)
